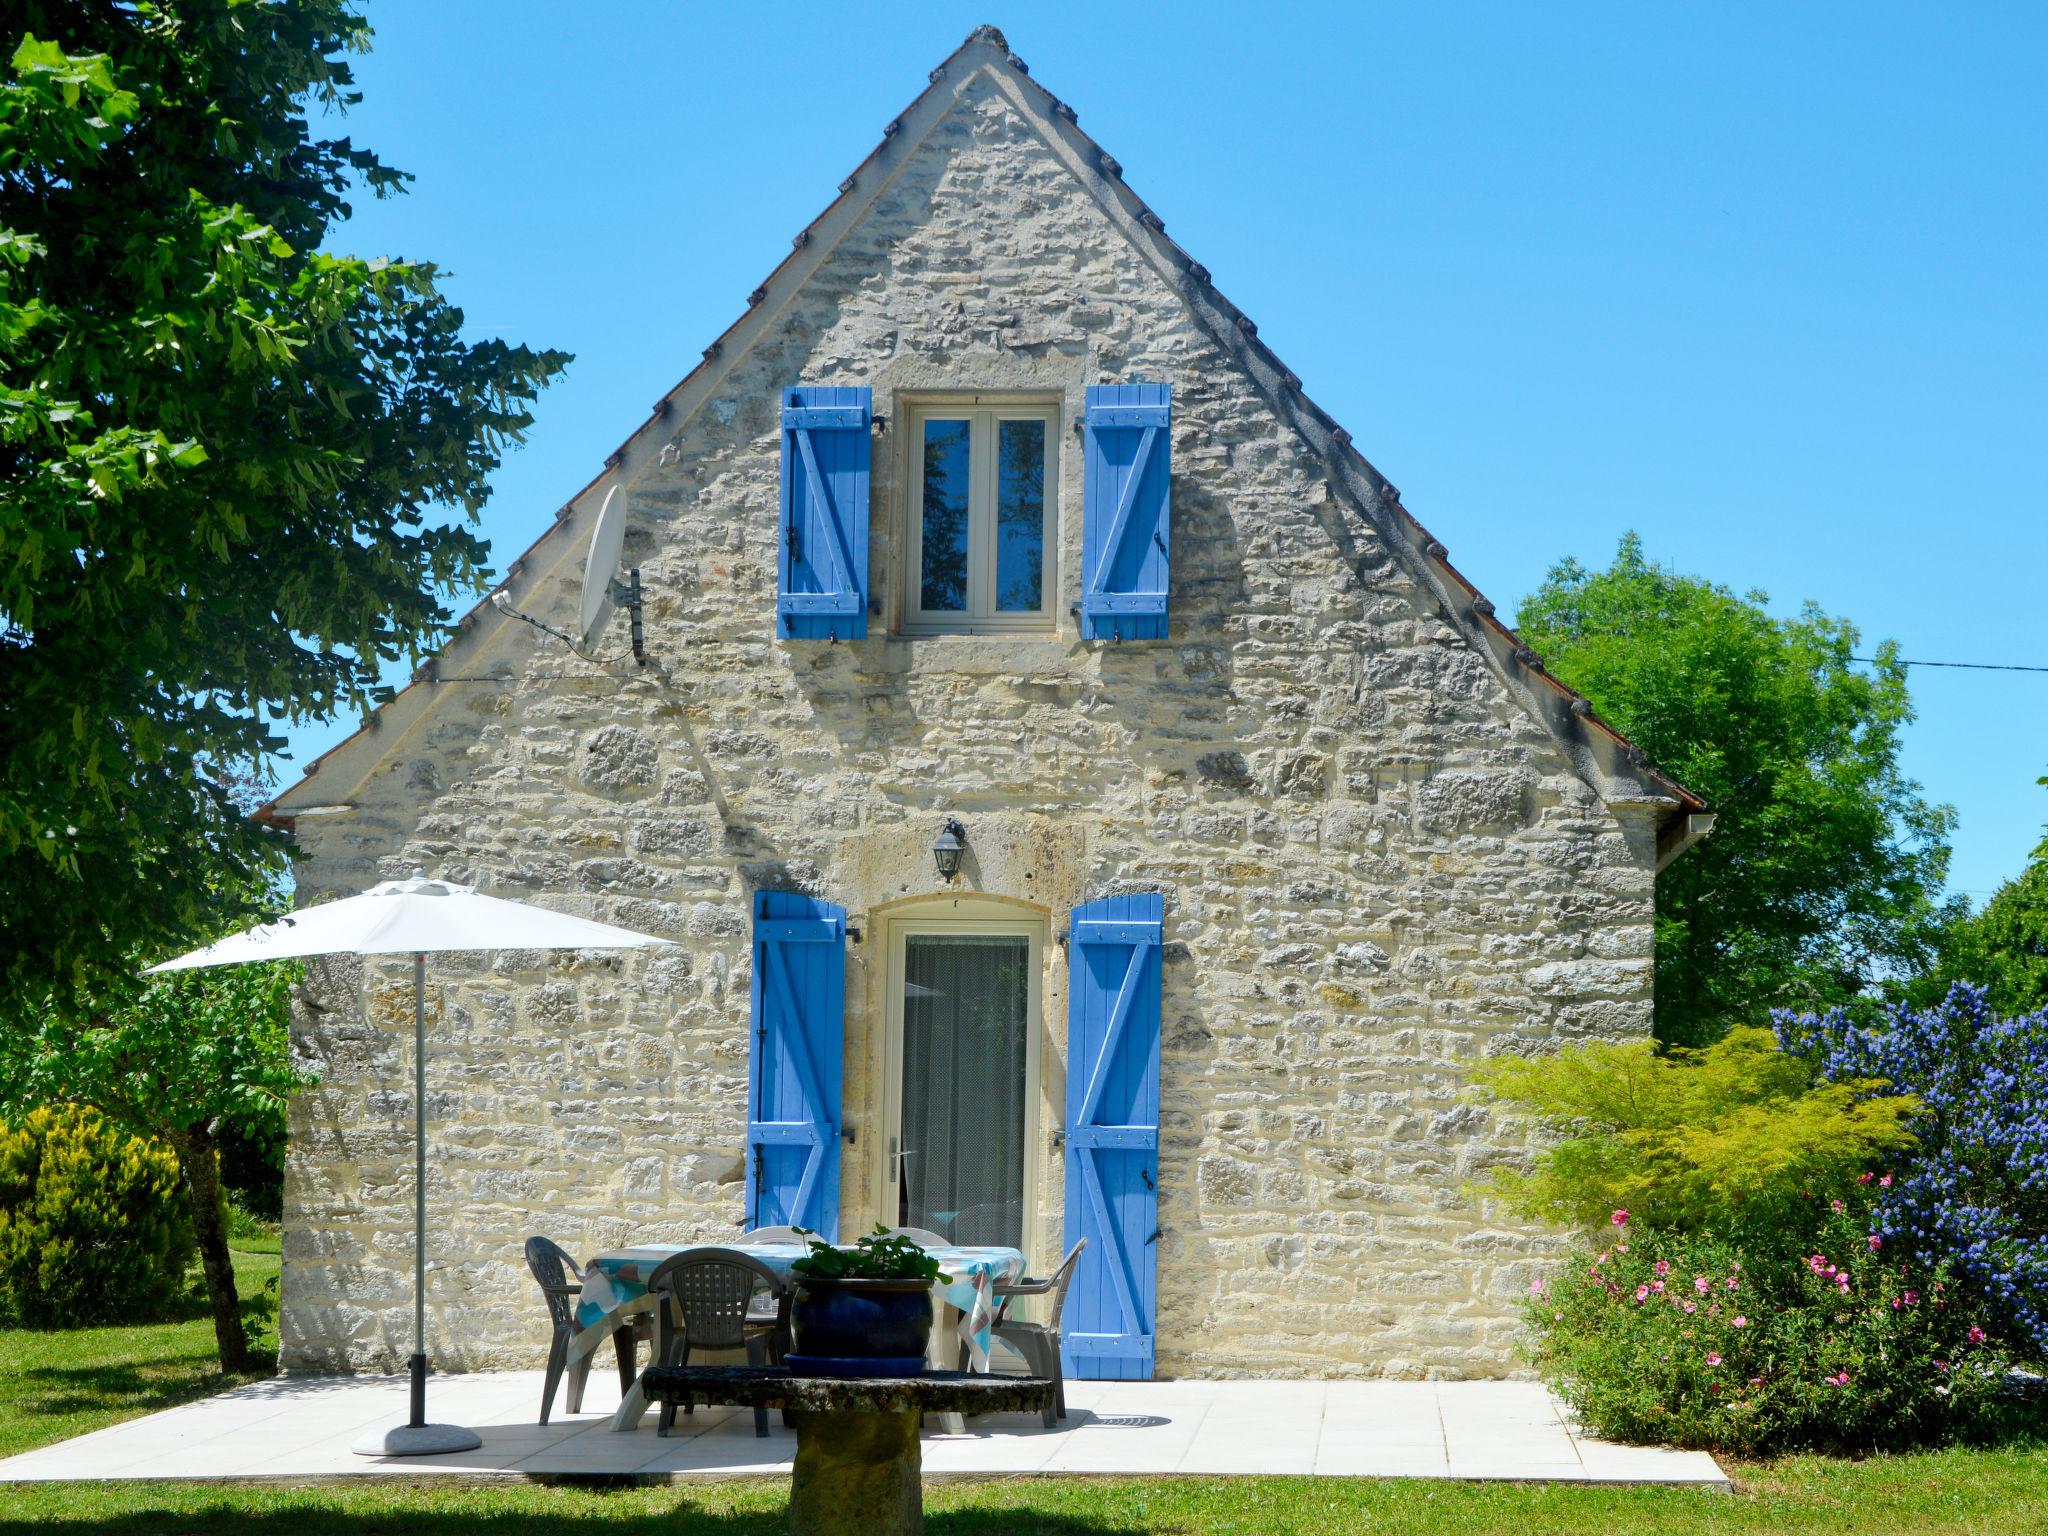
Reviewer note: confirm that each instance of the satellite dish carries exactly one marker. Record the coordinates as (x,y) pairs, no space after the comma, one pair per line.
(602,593)
(600,597)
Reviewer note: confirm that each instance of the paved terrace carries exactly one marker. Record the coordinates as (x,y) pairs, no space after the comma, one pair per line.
(303,1427)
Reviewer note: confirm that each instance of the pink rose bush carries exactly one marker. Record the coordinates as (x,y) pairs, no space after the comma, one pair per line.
(1832,1345)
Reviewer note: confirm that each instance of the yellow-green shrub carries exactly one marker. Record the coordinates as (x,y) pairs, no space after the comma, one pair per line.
(92,1222)
(1734,1139)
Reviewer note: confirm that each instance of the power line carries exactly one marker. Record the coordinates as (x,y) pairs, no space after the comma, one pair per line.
(1971,666)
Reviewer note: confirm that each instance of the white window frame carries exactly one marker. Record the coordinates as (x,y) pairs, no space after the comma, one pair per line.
(983,414)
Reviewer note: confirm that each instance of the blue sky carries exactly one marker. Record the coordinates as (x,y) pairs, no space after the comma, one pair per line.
(1765,284)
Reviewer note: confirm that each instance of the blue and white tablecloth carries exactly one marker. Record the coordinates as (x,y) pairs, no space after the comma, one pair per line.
(968,1277)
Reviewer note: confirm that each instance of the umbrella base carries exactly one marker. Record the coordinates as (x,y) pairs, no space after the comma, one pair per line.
(417,1440)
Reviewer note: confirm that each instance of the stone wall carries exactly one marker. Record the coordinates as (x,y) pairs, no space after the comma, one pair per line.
(1376,866)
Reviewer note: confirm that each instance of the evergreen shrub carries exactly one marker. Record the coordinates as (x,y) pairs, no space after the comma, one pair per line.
(93,1225)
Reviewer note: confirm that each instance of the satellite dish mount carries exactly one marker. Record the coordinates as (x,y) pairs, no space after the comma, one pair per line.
(603,593)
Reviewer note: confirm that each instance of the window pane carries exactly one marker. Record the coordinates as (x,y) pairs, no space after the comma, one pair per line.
(966,1002)
(1020,517)
(943,583)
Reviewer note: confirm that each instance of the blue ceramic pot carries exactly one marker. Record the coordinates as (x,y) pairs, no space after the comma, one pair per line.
(862,1319)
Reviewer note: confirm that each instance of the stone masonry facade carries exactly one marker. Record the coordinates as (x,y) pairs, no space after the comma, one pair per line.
(1378,865)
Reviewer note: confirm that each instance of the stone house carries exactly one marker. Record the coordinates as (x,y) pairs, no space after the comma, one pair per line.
(990,520)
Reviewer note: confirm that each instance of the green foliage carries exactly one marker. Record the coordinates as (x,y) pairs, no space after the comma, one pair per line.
(92,1222)
(878,1256)
(1731,1138)
(222,451)
(179,1051)
(2003,949)
(1824,870)
(1686,1339)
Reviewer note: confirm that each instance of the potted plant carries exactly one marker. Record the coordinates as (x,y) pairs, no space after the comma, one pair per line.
(863,1310)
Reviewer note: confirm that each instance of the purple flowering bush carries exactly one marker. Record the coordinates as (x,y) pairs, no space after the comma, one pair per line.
(1686,1339)
(1971,1193)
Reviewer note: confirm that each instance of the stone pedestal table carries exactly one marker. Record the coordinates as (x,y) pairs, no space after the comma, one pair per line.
(859,1465)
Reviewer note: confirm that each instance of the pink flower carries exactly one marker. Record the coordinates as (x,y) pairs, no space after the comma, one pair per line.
(1738,1321)
(1699,1283)
(1621,1247)
(1865,1177)
(1619,1218)
(1875,1242)
(1976,1334)
(1642,1293)
(1535,1287)
(1885,1182)
(1837,1207)
(1661,1267)
(1602,1259)
(1912,1298)
(1731,1282)
(1840,1380)
(1712,1358)
(1691,1307)
(1941,1365)
(1657,1286)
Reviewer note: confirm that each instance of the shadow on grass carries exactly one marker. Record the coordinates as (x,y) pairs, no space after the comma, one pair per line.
(691,1514)
(128,1386)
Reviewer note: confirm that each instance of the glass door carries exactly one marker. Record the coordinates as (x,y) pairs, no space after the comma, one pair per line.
(963,1074)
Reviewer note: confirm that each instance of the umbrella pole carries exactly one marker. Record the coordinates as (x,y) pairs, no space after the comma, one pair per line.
(419,1190)
(417,1437)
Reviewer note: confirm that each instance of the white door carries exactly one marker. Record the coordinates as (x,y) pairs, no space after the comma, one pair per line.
(961,1078)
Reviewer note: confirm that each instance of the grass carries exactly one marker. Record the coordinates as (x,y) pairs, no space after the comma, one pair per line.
(1940,1493)
(54,1385)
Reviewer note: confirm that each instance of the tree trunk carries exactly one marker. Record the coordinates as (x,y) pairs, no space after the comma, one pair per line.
(199,1160)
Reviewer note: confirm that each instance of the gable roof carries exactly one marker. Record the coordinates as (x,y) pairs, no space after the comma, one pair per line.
(1612,765)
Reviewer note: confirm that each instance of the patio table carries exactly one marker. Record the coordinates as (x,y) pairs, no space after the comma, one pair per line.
(618,1280)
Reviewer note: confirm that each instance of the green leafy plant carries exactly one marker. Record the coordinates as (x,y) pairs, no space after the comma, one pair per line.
(1825,869)
(1686,1339)
(878,1256)
(174,1059)
(92,1222)
(1731,1138)
(236,463)
(2003,948)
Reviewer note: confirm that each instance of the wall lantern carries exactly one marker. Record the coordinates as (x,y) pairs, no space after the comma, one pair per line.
(947,848)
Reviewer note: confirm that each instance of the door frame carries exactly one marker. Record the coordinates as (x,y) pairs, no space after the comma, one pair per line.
(962,916)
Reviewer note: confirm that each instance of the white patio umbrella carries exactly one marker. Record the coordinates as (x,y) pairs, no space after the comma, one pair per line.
(416,917)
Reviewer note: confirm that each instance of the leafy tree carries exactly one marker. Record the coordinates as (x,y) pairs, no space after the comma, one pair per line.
(2002,949)
(1823,874)
(174,1059)
(222,449)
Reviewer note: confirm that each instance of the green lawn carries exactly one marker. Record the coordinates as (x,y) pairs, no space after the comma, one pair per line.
(56,1385)
(1951,1493)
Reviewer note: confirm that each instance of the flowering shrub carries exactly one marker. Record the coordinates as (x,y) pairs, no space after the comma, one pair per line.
(1681,1339)
(1973,1194)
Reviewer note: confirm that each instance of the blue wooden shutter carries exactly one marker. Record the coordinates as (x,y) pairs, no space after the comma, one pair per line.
(821,589)
(1127,489)
(794,1068)
(1113,1000)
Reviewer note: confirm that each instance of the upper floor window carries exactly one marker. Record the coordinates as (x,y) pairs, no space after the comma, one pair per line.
(982,542)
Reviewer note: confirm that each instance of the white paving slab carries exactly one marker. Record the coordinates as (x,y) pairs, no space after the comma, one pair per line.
(303,1427)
